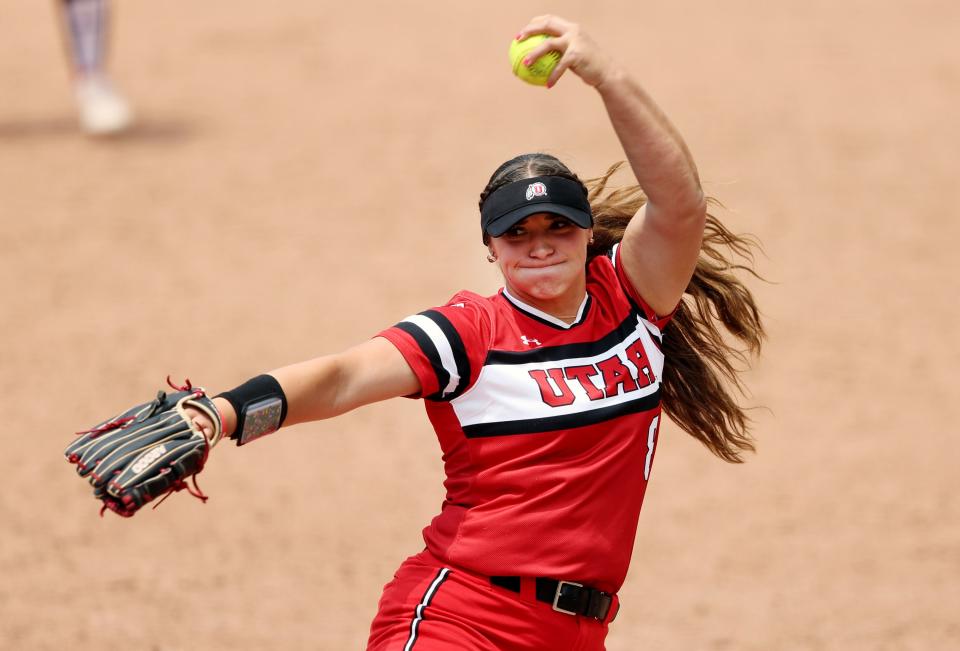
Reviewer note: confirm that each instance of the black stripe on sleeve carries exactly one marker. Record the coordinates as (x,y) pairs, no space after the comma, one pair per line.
(430,352)
(458,349)
(568,421)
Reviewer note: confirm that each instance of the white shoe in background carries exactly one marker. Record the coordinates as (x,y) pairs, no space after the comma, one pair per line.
(103,111)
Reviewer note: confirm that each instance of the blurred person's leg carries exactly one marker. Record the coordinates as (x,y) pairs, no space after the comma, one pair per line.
(103,110)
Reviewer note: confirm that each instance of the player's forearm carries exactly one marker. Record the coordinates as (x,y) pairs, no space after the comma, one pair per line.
(310,391)
(654,148)
(313,389)
(328,386)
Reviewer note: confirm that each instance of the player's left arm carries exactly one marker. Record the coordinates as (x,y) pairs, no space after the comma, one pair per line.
(327,386)
(662,242)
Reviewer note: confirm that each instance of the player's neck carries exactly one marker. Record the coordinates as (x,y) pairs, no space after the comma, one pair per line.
(565,307)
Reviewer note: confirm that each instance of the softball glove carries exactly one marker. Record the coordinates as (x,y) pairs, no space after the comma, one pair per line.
(146,452)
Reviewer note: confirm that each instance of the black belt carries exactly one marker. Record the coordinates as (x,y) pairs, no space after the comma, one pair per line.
(565,596)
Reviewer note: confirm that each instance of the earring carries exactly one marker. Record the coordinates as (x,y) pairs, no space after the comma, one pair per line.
(491,258)
(591,240)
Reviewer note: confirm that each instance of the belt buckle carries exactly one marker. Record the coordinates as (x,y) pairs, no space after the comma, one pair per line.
(556,597)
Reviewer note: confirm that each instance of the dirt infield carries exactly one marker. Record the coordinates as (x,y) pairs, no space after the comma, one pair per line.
(307,173)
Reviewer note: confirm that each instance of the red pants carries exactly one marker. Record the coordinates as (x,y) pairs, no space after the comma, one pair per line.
(430,606)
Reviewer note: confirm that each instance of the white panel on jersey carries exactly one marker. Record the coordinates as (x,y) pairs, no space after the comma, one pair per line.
(613,254)
(507,392)
(654,330)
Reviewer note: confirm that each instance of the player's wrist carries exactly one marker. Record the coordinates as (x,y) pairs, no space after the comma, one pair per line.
(228,416)
(259,407)
(610,79)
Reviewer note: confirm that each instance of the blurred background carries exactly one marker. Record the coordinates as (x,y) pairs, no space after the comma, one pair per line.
(299,176)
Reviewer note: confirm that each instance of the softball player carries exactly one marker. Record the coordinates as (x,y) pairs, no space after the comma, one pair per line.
(546,397)
(85,25)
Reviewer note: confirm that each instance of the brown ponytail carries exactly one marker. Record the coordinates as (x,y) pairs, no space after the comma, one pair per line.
(702,373)
(701,378)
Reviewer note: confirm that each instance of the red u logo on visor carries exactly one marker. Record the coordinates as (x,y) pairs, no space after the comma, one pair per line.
(537,189)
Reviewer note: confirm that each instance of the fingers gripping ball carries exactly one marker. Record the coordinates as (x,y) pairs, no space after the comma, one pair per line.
(538,71)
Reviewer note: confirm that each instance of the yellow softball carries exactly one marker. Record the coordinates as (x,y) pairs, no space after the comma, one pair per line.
(538,71)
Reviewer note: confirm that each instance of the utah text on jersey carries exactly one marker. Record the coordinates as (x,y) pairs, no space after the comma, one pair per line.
(546,388)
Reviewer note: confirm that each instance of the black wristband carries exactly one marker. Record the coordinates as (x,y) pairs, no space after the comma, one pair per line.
(261,408)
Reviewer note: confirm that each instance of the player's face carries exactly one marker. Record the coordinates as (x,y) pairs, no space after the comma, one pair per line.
(542,259)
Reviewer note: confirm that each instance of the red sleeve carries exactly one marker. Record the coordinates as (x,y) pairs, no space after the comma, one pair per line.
(444,346)
(634,295)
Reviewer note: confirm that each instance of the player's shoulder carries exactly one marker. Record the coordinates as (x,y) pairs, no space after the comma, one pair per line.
(465,298)
(603,264)
(465,311)
(605,276)
(468,302)
(602,280)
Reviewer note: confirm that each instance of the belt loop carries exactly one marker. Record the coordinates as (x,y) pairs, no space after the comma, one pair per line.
(614,609)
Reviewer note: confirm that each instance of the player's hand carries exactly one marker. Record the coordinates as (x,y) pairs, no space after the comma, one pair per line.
(578,52)
(201,421)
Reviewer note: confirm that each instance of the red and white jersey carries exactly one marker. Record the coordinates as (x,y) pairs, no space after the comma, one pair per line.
(548,429)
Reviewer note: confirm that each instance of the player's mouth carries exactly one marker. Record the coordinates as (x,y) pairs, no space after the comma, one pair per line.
(546,265)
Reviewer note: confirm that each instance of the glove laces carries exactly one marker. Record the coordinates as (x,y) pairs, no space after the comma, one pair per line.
(106,427)
(123,422)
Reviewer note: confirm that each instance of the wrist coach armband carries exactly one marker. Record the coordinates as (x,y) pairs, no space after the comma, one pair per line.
(261,408)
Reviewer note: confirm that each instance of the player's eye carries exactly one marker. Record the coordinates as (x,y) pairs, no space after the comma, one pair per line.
(560,223)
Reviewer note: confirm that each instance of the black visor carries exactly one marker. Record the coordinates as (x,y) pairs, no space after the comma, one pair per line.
(512,202)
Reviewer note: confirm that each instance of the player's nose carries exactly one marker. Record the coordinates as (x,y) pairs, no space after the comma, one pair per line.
(540,244)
